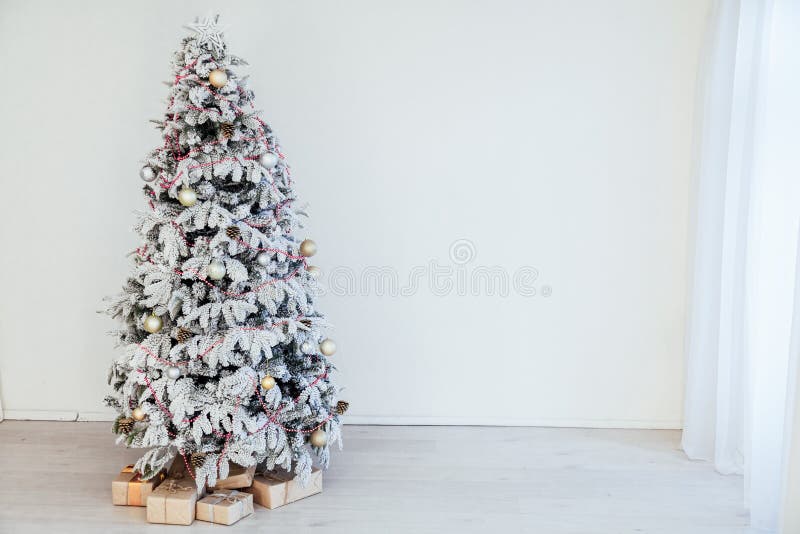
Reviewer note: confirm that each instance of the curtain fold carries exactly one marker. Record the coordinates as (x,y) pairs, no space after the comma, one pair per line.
(740,392)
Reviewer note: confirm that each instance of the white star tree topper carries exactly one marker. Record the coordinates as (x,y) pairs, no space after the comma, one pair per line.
(209,33)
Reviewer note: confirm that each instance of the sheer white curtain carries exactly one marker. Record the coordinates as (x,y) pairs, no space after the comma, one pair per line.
(741,358)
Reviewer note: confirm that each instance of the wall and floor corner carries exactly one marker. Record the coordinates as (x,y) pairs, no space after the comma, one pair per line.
(553,136)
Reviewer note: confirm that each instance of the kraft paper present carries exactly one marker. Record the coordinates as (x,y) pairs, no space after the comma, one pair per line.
(225,507)
(173,502)
(128,488)
(276,488)
(238,477)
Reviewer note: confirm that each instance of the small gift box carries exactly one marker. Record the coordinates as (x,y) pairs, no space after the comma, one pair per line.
(238,477)
(276,488)
(173,502)
(128,488)
(225,507)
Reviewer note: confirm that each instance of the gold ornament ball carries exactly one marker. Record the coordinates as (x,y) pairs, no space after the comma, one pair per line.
(308,248)
(318,438)
(267,383)
(327,347)
(138,413)
(218,78)
(153,324)
(187,197)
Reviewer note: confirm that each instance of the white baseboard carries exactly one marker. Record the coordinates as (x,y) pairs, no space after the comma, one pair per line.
(41,415)
(655,424)
(97,416)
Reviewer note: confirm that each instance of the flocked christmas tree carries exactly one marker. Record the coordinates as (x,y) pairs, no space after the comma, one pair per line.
(225,357)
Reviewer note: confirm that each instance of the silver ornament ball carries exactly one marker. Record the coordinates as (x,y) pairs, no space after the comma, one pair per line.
(307,347)
(215,270)
(147,174)
(268,159)
(263,259)
(173,373)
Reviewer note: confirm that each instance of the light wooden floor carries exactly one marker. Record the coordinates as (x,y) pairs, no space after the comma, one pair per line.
(55,477)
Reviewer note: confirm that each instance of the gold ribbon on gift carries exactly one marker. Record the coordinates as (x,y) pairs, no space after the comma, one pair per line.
(134,497)
(134,487)
(173,486)
(234,497)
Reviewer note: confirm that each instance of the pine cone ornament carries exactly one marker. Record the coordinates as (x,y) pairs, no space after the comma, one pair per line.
(233,232)
(124,425)
(198,459)
(227,130)
(183,335)
(342,407)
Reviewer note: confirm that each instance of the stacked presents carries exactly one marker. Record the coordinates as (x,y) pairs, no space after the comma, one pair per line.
(174,498)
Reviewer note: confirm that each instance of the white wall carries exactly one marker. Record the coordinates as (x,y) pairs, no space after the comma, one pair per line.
(550,134)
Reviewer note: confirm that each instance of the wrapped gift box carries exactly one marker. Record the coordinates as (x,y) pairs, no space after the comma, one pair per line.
(238,477)
(225,507)
(128,488)
(173,502)
(276,488)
